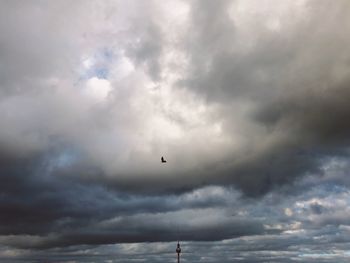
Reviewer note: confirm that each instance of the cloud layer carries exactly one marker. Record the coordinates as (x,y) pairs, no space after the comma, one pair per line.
(247,101)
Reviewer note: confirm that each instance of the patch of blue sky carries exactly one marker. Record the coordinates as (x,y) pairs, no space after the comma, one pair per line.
(334,188)
(101,73)
(324,189)
(97,64)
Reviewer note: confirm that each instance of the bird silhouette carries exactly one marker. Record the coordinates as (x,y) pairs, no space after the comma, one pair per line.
(162,160)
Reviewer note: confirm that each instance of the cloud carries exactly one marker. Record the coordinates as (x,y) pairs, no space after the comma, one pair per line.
(247,101)
(270,110)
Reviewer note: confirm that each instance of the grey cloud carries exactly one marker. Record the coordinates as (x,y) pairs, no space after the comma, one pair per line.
(317,208)
(147,50)
(105,221)
(299,97)
(277,99)
(241,103)
(84,213)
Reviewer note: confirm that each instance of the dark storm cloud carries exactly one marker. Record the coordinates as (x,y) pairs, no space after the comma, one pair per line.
(37,202)
(132,231)
(299,96)
(105,221)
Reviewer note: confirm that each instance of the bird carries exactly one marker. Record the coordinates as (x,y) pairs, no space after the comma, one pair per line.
(162,160)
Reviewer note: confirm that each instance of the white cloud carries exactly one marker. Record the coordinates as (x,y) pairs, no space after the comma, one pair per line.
(97,89)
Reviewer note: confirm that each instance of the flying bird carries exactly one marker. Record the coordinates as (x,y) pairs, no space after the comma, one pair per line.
(162,160)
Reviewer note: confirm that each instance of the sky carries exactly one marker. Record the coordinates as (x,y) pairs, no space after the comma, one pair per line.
(247,100)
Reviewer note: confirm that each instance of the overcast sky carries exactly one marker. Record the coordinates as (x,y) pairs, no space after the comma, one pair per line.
(247,100)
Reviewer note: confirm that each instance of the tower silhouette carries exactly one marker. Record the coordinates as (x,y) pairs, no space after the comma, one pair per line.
(178,251)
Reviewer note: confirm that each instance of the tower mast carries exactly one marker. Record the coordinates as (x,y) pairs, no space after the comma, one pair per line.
(178,251)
